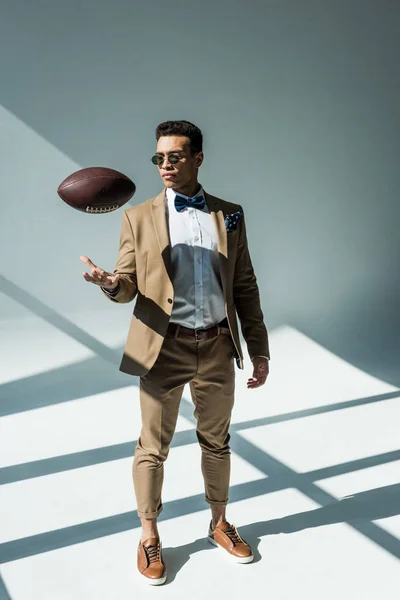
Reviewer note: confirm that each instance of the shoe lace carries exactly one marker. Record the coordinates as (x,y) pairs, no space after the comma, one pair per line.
(153,553)
(233,535)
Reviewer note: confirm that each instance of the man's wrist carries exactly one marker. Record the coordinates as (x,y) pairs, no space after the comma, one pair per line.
(112,292)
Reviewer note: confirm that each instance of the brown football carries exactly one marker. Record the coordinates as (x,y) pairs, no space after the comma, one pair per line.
(96,190)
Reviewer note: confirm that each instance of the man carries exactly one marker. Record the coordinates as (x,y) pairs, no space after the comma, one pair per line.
(184,256)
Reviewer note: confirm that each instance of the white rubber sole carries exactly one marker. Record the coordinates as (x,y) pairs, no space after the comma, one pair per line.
(154,581)
(244,560)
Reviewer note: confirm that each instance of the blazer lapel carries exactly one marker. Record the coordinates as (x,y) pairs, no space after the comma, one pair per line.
(222,240)
(161,227)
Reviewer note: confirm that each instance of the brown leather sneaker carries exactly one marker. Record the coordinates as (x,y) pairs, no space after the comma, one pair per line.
(226,536)
(149,561)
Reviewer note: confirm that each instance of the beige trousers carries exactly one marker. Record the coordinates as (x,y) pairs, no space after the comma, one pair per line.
(208,367)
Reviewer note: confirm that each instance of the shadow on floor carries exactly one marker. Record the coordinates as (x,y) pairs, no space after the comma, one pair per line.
(364,507)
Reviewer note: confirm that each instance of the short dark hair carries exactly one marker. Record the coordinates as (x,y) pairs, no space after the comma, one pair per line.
(185,128)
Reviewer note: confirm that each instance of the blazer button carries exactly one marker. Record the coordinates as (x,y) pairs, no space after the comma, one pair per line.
(170,300)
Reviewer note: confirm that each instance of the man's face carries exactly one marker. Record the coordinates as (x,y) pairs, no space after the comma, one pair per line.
(185,171)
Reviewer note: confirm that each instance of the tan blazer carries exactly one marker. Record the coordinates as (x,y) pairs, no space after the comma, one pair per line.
(144,265)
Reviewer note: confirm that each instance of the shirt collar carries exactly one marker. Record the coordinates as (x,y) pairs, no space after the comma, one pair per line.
(170,194)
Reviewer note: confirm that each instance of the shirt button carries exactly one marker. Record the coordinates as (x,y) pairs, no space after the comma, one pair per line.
(198,260)
(199,284)
(170,300)
(196,238)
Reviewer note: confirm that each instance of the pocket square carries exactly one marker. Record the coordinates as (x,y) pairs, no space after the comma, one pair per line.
(232,221)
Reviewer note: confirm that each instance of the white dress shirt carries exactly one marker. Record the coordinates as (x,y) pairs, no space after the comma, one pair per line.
(199,300)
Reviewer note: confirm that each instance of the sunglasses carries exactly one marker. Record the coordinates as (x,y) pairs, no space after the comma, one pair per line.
(172,158)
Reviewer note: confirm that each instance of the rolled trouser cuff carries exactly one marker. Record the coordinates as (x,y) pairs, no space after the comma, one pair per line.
(149,515)
(216,502)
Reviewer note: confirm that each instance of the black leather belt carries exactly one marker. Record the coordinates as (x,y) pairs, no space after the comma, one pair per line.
(175,330)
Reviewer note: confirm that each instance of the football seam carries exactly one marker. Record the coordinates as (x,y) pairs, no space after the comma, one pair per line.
(96,177)
(81,209)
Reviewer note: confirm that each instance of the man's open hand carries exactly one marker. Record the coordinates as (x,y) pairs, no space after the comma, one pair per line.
(98,276)
(260,372)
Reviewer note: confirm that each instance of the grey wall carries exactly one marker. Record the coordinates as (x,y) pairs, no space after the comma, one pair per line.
(300,109)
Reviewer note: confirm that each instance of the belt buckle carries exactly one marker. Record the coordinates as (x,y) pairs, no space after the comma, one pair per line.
(197,339)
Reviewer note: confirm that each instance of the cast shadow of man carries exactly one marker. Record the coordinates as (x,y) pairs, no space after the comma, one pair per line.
(360,508)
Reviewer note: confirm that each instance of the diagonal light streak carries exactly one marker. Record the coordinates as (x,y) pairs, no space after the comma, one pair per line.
(42,310)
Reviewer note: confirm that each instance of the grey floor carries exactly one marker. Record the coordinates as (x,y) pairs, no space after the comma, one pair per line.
(315,475)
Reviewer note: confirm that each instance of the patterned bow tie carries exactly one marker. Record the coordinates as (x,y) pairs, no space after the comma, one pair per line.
(181,203)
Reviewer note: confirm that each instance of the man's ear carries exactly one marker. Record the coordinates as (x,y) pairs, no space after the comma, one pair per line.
(199,159)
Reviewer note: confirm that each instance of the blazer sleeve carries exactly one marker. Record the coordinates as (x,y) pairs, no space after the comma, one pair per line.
(126,264)
(247,298)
